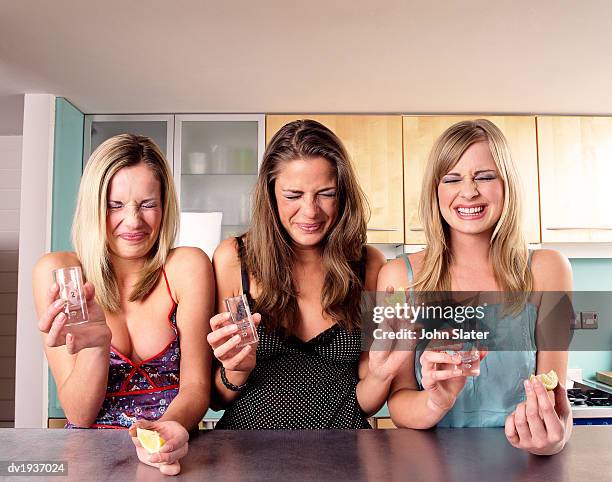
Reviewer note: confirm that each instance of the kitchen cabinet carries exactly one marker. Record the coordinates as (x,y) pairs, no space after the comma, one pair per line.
(420,133)
(575,155)
(216,162)
(374,144)
(99,128)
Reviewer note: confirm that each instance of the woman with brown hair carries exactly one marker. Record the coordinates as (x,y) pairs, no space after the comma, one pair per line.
(141,360)
(471,212)
(303,265)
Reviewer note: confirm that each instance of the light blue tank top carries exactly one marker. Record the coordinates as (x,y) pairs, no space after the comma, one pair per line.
(488,399)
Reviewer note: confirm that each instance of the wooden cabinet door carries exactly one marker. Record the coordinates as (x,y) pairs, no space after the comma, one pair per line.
(374,144)
(575,155)
(420,133)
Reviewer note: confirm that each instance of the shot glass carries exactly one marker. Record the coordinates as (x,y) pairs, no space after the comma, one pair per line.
(470,362)
(70,282)
(238,307)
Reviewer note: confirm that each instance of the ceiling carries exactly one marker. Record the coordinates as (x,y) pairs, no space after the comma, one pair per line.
(146,56)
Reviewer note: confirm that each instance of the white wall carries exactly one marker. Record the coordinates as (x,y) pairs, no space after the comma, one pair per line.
(11,116)
(10,184)
(34,240)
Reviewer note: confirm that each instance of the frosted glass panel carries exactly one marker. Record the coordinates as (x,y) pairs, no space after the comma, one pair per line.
(219,170)
(103,130)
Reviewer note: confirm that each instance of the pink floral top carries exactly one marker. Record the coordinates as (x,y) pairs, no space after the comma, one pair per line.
(140,390)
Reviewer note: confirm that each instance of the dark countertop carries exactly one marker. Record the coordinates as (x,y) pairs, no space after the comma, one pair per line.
(470,454)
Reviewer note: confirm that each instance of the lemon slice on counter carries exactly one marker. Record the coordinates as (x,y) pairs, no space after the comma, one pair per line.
(549,380)
(150,440)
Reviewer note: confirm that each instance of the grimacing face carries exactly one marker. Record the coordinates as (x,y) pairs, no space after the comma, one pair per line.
(471,194)
(134,212)
(306,196)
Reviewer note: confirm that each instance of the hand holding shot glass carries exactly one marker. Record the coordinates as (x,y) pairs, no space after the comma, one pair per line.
(240,312)
(70,283)
(72,317)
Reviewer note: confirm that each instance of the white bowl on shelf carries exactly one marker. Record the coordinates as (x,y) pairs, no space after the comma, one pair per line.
(198,163)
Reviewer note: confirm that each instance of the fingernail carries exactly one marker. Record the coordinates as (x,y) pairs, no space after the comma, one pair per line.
(58,303)
(528,386)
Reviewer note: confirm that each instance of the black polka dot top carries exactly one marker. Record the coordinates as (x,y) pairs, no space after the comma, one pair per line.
(300,385)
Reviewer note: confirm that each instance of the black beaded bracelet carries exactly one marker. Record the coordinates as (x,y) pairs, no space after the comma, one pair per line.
(229,385)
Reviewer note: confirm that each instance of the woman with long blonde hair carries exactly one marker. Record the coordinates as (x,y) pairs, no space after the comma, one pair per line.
(142,359)
(471,212)
(303,266)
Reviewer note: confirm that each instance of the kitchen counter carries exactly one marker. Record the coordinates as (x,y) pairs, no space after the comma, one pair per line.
(436,455)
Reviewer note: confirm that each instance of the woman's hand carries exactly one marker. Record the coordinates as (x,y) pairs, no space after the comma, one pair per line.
(94,333)
(175,448)
(539,425)
(224,340)
(442,378)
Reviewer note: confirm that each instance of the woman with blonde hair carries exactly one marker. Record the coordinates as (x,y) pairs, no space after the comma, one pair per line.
(303,266)
(471,212)
(142,359)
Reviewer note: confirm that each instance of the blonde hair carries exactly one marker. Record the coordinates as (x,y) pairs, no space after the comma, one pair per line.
(269,249)
(89,226)
(508,248)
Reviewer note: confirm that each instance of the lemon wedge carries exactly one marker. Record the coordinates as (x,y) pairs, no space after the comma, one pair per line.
(549,380)
(150,440)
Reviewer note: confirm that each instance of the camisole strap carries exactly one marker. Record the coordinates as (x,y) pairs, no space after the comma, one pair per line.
(408,267)
(168,287)
(244,274)
(410,276)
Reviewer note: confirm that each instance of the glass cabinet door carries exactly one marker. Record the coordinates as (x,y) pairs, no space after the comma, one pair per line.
(216,163)
(99,128)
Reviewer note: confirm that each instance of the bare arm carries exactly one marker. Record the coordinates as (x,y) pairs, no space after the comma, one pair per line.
(376,370)
(81,377)
(238,362)
(408,406)
(190,273)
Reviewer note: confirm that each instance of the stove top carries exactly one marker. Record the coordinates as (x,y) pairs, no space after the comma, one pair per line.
(590,400)
(583,395)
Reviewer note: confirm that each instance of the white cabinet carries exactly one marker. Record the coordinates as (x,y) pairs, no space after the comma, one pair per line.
(99,128)
(216,161)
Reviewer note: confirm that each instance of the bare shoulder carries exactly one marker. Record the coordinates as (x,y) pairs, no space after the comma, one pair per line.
(374,261)
(226,254)
(189,269)
(395,272)
(375,258)
(186,257)
(51,261)
(551,271)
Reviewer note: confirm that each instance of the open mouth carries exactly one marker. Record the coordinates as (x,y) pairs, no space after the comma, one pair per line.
(471,212)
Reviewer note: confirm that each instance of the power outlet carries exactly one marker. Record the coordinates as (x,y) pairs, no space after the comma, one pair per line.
(589,320)
(575,322)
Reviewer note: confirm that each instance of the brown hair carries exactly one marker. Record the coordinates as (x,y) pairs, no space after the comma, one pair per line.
(89,225)
(269,248)
(508,248)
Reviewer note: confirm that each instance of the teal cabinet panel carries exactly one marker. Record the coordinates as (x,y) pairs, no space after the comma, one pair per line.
(67,170)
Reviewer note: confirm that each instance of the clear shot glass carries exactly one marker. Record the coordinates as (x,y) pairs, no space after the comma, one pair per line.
(238,307)
(470,362)
(70,282)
